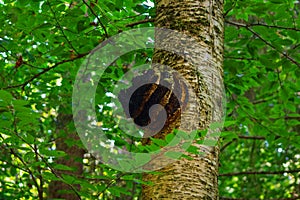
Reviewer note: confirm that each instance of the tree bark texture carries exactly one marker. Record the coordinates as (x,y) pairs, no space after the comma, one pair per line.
(203,21)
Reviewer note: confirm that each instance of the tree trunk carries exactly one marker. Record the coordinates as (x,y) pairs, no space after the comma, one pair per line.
(203,21)
(59,189)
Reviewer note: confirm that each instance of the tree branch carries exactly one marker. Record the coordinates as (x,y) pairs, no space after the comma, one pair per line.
(259,172)
(252,137)
(5,49)
(230,9)
(45,70)
(238,58)
(97,17)
(226,145)
(277,27)
(60,28)
(28,170)
(140,22)
(242,137)
(246,26)
(259,24)
(46,163)
(228,198)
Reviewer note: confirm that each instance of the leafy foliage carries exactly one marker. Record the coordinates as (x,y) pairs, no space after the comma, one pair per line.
(43,43)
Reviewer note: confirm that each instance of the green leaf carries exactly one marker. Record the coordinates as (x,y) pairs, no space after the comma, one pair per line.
(173,154)
(159,142)
(193,149)
(119,3)
(169,137)
(29,156)
(229,134)
(125,165)
(50,176)
(5,96)
(20,102)
(62,167)
(54,153)
(142,158)
(209,142)
(277,1)
(116,191)
(68,178)
(182,134)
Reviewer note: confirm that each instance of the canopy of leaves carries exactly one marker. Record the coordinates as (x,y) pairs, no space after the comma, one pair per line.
(43,43)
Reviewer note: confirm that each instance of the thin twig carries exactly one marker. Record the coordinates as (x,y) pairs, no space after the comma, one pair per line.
(265,25)
(5,49)
(140,22)
(230,9)
(45,70)
(246,137)
(246,26)
(32,66)
(227,144)
(238,58)
(119,176)
(47,164)
(259,172)
(277,27)
(252,137)
(228,198)
(98,19)
(24,163)
(60,28)
(271,45)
